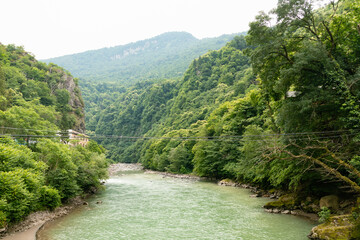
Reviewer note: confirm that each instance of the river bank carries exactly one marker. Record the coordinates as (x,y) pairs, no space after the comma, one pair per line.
(146,205)
(284,203)
(27,229)
(117,168)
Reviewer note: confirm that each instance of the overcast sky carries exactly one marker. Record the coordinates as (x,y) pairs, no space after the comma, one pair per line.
(51,28)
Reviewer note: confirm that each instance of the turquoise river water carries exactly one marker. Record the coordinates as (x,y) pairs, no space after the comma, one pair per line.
(148,206)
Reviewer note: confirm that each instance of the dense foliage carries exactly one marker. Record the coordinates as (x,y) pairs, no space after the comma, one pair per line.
(308,64)
(165,56)
(156,108)
(97,97)
(42,178)
(37,101)
(280,110)
(33,92)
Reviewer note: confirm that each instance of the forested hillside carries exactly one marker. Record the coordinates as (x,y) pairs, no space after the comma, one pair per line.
(280,110)
(38,171)
(165,56)
(156,108)
(31,87)
(97,97)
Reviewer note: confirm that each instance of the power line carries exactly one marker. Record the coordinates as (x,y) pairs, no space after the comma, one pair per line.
(29,129)
(294,133)
(274,134)
(261,138)
(33,136)
(264,137)
(300,134)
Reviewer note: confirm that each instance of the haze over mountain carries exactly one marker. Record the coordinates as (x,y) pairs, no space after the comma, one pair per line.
(165,56)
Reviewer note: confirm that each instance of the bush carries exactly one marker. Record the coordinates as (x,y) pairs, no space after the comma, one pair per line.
(324,214)
(66,172)
(62,172)
(13,191)
(49,197)
(3,221)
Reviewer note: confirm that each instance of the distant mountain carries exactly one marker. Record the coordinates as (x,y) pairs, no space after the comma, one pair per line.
(165,56)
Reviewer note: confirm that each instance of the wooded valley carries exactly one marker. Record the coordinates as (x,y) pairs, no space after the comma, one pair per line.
(277,107)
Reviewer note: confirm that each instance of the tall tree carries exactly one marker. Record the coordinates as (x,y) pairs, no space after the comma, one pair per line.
(308,64)
(307,56)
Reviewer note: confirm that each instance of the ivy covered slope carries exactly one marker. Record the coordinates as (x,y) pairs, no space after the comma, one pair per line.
(40,172)
(165,56)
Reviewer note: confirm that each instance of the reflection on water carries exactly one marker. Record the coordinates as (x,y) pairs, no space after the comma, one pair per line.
(148,206)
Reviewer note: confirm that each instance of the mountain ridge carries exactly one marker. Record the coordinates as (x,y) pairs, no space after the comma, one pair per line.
(164,56)
(117,46)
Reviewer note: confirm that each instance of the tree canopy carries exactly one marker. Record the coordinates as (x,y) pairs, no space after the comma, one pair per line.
(37,170)
(288,95)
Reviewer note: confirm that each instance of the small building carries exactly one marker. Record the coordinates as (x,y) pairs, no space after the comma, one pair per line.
(77,138)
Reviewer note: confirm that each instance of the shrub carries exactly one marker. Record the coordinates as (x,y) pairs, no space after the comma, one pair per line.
(324,214)
(3,221)
(13,191)
(49,197)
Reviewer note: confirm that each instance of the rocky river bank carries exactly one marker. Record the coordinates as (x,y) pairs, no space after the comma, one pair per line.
(282,203)
(116,168)
(26,229)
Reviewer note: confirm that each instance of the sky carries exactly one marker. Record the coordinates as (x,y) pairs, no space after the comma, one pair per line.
(52,28)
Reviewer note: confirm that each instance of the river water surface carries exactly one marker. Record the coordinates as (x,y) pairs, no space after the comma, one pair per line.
(148,206)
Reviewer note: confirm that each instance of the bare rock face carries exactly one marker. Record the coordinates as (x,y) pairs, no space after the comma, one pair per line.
(76,102)
(330,201)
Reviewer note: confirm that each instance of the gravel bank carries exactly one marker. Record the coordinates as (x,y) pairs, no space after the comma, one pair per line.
(124,167)
(26,230)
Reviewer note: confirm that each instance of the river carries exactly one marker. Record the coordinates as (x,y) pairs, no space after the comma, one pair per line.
(149,206)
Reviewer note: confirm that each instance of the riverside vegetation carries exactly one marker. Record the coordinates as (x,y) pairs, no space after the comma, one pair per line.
(40,174)
(288,92)
(278,108)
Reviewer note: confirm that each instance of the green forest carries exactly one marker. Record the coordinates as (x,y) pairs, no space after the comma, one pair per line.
(277,108)
(37,170)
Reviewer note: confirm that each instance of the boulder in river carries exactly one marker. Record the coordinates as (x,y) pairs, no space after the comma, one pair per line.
(285,202)
(227,182)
